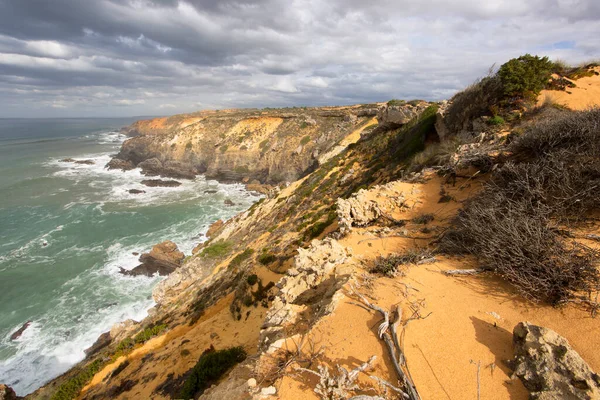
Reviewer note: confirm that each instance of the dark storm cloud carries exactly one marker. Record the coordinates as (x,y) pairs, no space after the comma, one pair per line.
(113,57)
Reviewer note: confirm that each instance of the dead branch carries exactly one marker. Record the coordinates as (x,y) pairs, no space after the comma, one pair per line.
(453,272)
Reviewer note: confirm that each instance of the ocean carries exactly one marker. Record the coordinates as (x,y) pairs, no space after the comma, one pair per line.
(66,229)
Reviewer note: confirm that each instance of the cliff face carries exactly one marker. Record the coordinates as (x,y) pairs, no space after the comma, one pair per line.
(270,146)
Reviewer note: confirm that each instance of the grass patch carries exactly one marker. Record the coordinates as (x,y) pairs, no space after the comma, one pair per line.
(243,256)
(266,258)
(218,249)
(211,366)
(396,102)
(305,140)
(71,388)
(318,228)
(496,120)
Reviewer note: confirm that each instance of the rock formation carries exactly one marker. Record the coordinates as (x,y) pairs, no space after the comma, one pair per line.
(394,116)
(549,367)
(163,259)
(7,393)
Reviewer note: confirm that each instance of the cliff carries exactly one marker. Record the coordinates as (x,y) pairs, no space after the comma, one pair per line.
(304,294)
(268,146)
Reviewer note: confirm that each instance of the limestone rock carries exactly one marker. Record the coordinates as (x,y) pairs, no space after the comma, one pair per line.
(366,206)
(394,116)
(214,228)
(151,167)
(549,367)
(100,343)
(7,393)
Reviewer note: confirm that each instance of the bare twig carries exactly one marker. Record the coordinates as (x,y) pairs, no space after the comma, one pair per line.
(452,272)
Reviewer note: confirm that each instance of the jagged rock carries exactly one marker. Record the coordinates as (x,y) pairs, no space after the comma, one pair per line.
(67,160)
(228,202)
(178,170)
(214,228)
(361,209)
(311,267)
(20,331)
(121,330)
(163,259)
(103,340)
(160,183)
(394,116)
(549,368)
(85,162)
(117,163)
(151,167)
(7,393)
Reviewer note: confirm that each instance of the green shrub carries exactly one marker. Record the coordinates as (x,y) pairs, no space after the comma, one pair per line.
(396,102)
(305,140)
(496,120)
(217,249)
(149,333)
(525,76)
(71,388)
(210,367)
(252,279)
(267,258)
(318,228)
(243,256)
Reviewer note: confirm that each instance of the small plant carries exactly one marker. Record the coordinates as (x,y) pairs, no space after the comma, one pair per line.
(149,333)
(318,228)
(217,249)
(184,353)
(496,120)
(71,388)
(189,146)
(305,140)
(396,102)
(209,368)
(223,148)
(266,258)
(252,279)
(423,219)
(388,266)
(243,256)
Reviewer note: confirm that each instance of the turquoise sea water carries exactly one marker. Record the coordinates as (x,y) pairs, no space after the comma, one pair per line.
(65,229)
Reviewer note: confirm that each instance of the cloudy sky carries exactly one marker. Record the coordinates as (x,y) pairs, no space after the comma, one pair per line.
(156,57)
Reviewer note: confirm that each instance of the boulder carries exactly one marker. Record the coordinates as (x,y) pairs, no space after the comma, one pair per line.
(160,183)
(136,191)
(20,331)
(178,170)
(7,393)
(549,367)
(117,163)
(163,259)
(85,162)
(229,203)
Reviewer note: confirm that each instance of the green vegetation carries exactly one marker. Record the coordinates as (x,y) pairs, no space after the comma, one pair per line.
(210,367)
(266,258)
(189,146)
(518,225)
(149,333)
(396,102)
(305,140)
(252,279)
(388,266)
(525,76)
(218,249)
(496,120)
(243,256)
(71,388)
(223,148)
(318,228)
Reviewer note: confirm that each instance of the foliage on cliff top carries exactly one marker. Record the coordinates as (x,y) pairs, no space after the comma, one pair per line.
(512,226)
(217,249)
(208,370)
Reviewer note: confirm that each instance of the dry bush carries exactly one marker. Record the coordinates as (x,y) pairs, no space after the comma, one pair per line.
(388,266)
(511,227)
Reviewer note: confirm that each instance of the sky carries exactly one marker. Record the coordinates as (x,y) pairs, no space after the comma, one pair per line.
(111,58)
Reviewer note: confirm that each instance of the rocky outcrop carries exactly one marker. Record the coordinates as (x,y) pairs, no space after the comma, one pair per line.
(549,367)
(124,165)
(7,393)
(234,145)
(160,183)
(118,332)
(164,258)
(366,206)
(312,268)
(394,116)
(440,122)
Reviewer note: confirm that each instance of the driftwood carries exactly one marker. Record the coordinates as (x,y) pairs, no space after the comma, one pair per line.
(387,333)
(452,272)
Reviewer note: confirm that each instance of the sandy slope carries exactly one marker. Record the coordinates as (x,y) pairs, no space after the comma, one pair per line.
(585,95)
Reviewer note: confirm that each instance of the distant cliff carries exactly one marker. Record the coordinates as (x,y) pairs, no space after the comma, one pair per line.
(268,146)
